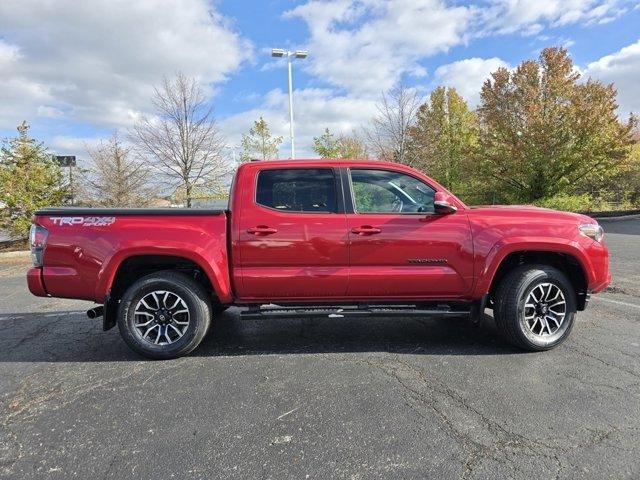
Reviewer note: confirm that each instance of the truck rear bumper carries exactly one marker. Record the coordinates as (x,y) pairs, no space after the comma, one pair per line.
(35,282)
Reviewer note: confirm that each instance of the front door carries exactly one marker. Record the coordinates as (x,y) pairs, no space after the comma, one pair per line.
(399,247)
(293,238)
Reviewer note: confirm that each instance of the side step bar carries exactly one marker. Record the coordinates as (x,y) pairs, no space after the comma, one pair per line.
(336,311)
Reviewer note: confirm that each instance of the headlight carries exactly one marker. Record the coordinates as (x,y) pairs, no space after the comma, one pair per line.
(592,230)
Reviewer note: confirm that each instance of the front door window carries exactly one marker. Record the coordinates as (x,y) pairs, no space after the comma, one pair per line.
(385,191)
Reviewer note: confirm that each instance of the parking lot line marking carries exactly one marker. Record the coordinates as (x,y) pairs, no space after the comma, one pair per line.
(285,414)
(626,304)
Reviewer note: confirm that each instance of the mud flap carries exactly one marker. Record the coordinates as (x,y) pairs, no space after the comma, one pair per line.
(110,313)
(476,314)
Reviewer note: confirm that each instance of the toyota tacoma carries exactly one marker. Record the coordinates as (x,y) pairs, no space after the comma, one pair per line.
(321,238)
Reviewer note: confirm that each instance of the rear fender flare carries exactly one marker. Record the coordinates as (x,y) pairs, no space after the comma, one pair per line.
(219,279)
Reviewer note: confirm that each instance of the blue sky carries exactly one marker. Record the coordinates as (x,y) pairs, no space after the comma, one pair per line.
(77,71)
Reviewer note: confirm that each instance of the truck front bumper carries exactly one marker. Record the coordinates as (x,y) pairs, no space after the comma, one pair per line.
(601,285)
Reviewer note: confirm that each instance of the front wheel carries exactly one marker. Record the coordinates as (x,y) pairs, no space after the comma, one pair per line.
(535,307)
(164,315)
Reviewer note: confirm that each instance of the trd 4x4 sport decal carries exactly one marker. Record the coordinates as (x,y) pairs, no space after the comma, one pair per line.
(84,221)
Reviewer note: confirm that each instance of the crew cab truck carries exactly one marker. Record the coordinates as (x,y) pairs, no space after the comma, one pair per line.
(321,237)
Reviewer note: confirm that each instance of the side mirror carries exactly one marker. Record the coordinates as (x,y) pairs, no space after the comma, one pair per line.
(442,204)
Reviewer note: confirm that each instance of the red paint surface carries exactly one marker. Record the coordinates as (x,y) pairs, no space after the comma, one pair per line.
(35,283)
(81,262)
(288,256)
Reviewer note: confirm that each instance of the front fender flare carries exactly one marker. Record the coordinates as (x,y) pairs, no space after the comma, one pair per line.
(487,270)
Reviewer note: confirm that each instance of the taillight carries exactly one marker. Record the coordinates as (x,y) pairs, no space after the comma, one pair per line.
(38,241)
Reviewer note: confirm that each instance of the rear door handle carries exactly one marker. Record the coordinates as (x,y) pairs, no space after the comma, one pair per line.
(365,230)
(261,230)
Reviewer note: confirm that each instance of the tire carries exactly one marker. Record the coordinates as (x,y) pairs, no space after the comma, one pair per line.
(529,324)
(174,331)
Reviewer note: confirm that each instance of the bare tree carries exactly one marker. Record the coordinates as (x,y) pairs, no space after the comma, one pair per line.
(183,140)
(389,131)
(115,178)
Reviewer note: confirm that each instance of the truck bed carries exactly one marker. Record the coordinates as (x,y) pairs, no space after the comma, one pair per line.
(64,211)
(86,247)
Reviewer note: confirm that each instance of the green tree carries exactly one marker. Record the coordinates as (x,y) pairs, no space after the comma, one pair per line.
(352,147)
(29,180)
(623,188)
(632,177)
(328,145)
(259,143)
(444,139)
(544,132)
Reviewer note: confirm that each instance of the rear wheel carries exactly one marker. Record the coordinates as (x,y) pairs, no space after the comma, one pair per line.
(535,307)
(164,315)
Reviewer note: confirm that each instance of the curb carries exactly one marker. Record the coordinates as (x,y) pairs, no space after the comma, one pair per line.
(19,253)
(616,219)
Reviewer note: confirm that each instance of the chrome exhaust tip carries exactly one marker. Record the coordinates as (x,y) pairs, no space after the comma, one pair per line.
(95,312)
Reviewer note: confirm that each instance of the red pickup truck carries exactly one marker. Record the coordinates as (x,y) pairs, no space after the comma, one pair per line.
(321,237)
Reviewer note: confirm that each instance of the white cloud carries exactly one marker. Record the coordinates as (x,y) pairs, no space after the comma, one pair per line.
(45,111)
(8,54)
(95,62)
(98,61)
(70,145)
(623,69)
(468,75)
(530,17)
(315,109)
(366,45)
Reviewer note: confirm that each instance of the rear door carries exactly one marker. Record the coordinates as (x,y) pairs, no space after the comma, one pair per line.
(293,236)
(399,247)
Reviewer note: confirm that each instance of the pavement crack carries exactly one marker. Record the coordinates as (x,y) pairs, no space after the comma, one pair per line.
(584,351)
(632,389)
(502,446)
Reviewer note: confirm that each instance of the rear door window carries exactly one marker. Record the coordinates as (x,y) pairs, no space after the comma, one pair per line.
(297,190)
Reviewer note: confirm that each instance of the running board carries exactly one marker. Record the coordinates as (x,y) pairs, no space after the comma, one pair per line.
(276,311)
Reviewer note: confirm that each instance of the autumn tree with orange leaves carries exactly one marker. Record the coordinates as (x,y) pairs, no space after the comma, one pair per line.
(544,132)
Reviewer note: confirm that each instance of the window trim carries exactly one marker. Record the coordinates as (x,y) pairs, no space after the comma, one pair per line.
(337,190)
(353,199)
(347,188)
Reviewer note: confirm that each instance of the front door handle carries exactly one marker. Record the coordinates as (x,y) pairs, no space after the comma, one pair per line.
(261,230)
(365,230)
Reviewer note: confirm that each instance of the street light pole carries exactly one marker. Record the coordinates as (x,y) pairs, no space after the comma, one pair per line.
(279,52)
(293,147)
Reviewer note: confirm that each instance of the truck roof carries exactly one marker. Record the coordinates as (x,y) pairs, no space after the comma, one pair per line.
(324,161)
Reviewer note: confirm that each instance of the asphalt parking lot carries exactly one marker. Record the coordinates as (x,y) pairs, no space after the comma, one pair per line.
(322,398)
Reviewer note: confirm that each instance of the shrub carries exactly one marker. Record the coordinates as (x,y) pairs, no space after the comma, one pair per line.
(569,203)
